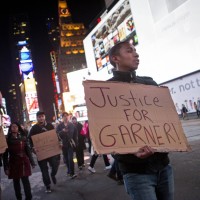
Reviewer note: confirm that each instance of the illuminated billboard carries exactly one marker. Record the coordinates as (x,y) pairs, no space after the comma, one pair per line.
(31,96)
(30,85)
(26,67)
(28,76)
(168,39)
(32,102)
(25,55)
(22,43)
(118,27)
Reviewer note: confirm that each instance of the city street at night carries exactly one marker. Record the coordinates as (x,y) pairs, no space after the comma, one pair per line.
(98,186)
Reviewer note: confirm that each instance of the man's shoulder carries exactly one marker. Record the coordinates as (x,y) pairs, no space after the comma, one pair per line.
(70,124)
(146,80)
(35,126)
(145,77)
(35,129)
(49,125)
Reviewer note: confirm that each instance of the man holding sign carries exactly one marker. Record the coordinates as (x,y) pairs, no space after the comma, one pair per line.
(147,174)
(53,161)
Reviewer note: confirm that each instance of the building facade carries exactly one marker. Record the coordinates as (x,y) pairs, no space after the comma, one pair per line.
(22,90)
(71,55)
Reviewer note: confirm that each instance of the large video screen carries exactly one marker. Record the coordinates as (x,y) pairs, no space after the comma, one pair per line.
(118,27)
(26,67)
(168,39)
(25,56)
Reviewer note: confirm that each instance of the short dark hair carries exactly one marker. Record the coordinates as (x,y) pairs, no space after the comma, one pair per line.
(65,113)
(40,113)
(74,118)
(115,51)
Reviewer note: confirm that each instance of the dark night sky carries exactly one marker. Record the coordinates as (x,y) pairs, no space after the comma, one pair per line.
(82,11)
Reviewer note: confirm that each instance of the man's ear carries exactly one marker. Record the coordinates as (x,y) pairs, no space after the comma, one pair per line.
(115,59)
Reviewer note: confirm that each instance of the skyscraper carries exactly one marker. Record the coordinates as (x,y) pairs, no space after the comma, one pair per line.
(71,55)
(23,88)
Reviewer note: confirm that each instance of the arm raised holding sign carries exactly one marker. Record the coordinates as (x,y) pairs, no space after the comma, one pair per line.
(145,168)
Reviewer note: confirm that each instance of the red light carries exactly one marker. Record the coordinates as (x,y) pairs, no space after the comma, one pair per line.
(98,20)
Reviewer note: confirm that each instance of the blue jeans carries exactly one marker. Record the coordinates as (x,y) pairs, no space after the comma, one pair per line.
(68,154)
(154,186)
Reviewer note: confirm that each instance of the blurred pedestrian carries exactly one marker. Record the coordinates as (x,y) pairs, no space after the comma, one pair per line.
(115,173)
(81,143)
(184,111)
(86,133)
(18,160)
(93,161)
(68,134)
(53,162)
(198,108)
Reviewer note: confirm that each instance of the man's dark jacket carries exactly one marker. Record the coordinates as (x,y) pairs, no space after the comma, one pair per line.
(66,136)
(129,163)
(37,129)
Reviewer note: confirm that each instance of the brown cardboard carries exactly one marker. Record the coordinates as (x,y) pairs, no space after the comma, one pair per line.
(46,144)
(124,117)
(3,143)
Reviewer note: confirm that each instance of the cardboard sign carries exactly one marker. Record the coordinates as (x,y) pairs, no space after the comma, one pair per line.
(46,144)
(3,143)
(124,117)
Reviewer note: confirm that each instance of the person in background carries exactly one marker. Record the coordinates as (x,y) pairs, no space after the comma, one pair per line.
(24,128)
(147,174)
(195,107)
(18,160)
(81,144)
(93,161)
(86,133)
(184,112)
(54,161)
(67,132)
(198,108)
(115,173)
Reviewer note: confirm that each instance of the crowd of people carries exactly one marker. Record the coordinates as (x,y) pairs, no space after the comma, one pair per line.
(21,154)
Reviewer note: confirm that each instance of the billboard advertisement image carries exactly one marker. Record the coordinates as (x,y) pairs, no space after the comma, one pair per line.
(118,27)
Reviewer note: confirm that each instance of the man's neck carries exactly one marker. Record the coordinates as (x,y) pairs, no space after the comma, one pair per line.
(65,122)
(41,123)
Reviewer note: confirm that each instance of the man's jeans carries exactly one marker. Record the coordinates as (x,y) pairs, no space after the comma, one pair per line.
(53,162)
(154,186)
(68,154)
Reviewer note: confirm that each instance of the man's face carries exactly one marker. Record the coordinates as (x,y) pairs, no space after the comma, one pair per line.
(65,118)
(41,119)
(74,121)
(128,59)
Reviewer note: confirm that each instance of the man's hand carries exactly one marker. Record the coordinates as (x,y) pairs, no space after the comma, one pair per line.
(144,152)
